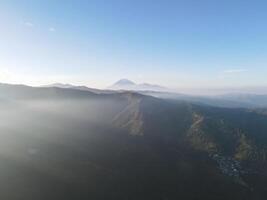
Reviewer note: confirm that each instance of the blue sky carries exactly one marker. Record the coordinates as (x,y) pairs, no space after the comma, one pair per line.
(179,44)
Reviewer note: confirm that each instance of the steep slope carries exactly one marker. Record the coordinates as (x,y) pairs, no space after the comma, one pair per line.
(154,118)
(130,118)
(238,133)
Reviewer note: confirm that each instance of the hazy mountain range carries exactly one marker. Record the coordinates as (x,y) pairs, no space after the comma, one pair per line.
(125,84)
(62,85)
(230,100)
(67,143)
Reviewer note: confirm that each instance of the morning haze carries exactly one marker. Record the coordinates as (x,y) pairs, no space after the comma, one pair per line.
(137,100)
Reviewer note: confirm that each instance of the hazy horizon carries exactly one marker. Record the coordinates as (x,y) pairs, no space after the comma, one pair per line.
(133,99)
(202,91)
(177,44)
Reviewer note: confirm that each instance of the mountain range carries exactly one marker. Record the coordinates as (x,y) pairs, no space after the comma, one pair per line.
(125,84)
(81,144)
(70,86)
(228,100)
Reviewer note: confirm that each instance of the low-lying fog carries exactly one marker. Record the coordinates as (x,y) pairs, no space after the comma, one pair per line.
(43,141)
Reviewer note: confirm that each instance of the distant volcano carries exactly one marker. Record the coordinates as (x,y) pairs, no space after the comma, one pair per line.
(125,84)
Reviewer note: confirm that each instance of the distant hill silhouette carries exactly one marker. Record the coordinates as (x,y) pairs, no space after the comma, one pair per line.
(61,85)
(125,84)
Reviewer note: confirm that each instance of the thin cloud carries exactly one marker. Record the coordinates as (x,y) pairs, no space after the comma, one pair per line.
(28,24)
(234,71)
(52,29)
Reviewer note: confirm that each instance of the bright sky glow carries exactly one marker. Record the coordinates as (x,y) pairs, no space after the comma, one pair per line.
(179,43)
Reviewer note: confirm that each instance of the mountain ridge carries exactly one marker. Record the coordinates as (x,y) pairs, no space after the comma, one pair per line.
(93,139)
(84,88)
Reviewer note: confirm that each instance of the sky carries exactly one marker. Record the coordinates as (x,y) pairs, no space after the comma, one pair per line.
(174,43)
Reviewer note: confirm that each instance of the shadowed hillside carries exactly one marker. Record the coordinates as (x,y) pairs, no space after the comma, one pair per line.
(71,144)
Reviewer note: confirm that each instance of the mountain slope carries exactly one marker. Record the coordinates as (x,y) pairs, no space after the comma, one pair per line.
(66,144)
(232,132)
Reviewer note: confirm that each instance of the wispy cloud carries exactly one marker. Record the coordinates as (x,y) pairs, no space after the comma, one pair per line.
(234,71)
(28,24)
(52,29)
